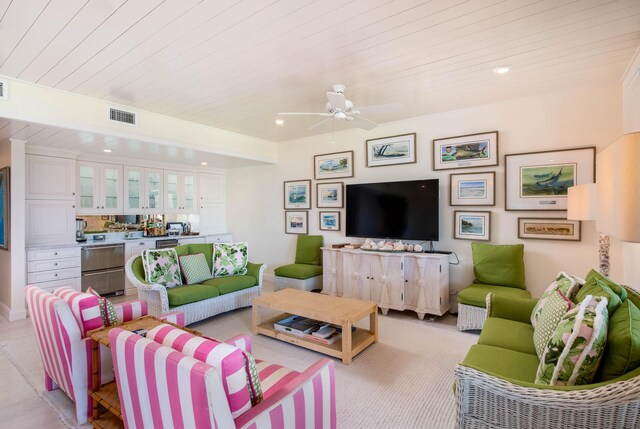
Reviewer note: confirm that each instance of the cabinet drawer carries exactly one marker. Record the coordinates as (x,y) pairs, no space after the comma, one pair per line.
(73,283)
(52,264)
(226,238)
(41,254)
(47,276)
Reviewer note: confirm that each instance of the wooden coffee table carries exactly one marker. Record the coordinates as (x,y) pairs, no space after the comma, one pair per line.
(325,308)
(107,394)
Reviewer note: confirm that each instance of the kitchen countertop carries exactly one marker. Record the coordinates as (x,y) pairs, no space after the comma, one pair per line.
(117,238)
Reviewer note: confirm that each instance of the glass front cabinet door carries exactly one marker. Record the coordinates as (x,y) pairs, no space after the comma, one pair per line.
(143,190)
(180,192)
(99,188)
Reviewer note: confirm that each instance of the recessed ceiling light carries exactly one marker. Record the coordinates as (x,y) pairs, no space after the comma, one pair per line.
(501,69)
(203,163)
(107,150)
(279,122)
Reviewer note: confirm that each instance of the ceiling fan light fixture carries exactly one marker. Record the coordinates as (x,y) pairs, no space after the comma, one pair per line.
(501,70)
(340,115)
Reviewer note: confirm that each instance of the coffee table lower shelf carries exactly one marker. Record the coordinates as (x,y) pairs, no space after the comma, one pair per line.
(360,339)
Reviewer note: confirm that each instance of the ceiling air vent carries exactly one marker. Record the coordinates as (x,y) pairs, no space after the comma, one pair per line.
(122,116)
(4,89)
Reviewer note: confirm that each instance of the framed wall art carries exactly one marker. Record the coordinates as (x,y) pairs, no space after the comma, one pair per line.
(296,222)
(4,210)
(472,189)
(391,150)
(549,229)
(330,221)
(472,225)
(333,165)
(472,150)
(539,180)
(297,194)
(330,195)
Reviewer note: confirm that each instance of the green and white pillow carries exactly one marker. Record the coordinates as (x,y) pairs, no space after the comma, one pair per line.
(194,268)
(573,353)
(161,267)
(230,259)
(108,312)
(556,307)
(565,283)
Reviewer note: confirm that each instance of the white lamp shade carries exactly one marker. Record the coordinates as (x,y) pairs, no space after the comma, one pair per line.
(618,189)
(581,203)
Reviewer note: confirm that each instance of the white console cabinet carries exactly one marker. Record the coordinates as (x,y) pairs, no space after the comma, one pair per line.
(399,281)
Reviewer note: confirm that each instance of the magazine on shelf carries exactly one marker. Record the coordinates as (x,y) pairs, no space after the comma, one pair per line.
(297,325)
(328,340)
(324,331)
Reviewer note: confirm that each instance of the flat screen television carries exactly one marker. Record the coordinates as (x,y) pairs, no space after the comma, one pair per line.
(398,210)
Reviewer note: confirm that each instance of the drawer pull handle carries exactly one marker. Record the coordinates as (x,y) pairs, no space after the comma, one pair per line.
(55,264)
(55,275)
(55,253)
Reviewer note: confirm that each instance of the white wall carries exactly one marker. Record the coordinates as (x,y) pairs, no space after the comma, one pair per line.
(585,117)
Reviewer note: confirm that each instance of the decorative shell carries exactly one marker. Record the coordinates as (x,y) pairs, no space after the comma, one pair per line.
(409,247)
(374,246)
(417,248)
(381,244)
(398,246)
(387,246)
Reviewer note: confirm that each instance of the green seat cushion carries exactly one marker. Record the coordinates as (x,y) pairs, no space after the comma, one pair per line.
(508,334)
(308,250)
(499,264)
(502,362)
(187,294)
(476,294)
(207,249)
(595,284)
(228,284)
(622,353)
(138,269)
(298,271)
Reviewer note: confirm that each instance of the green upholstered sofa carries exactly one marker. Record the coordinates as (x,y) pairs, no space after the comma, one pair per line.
(495,383)
(197,301)
(498,268)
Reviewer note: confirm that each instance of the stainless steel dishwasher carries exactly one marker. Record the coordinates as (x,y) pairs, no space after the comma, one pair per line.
(102,268)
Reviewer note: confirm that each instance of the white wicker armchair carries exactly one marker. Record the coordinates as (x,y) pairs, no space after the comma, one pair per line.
(158,301)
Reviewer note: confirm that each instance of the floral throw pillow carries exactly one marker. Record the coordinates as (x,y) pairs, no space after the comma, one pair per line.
(576,347)
(107,310)
(568,285)
(194,268)
(230,259)
(161,267)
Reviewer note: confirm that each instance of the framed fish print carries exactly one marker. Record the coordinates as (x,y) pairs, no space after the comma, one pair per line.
(296,222)
(540,180)
(472,189)
(329,221)
(472,150)
(330,195)
(333,165)
(297,194)
(472,225)
(391,150)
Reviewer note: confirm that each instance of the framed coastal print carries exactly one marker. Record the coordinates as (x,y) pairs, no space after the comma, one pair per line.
(472,189)
(330,195)
(330,221)
(549,229)
(296,222)
(297,194)
(540,180)
(391,150)
(4,210)
(333,165)
(472,150)
(472,225)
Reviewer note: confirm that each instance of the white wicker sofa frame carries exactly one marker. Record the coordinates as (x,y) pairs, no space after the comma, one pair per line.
(158,301)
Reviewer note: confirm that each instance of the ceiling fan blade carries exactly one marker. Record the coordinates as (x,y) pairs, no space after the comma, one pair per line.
(317,124)
(337,100)
(378,108)
(304,113)
(364,123)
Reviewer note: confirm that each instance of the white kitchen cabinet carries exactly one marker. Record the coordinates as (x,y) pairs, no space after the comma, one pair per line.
(143,190)
(50,178)
(219,238)
(212,187)
(180,190)
(50,222)
(400,281)
(134,248)
(99,188)
(213,218)
(50,269)
(191,240)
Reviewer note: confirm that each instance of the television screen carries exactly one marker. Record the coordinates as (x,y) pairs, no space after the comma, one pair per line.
(399,210)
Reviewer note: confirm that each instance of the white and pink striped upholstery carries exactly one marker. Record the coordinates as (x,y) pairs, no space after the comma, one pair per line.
(84,306)
(225,358)
(273,376)
(163,388)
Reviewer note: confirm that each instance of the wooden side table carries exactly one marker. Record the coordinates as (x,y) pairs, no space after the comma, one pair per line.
(107,394)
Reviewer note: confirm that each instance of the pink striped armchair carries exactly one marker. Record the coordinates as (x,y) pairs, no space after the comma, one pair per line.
(60,320)
(160,387)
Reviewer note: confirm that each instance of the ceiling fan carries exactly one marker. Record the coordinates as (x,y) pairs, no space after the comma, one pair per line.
(338,107)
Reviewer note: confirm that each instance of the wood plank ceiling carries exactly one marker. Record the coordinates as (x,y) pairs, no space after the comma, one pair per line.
(234,64)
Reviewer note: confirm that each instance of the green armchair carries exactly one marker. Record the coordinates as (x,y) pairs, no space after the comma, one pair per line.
(306,272)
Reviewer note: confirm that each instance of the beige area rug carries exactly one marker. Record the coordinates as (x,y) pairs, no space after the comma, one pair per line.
(404,381)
